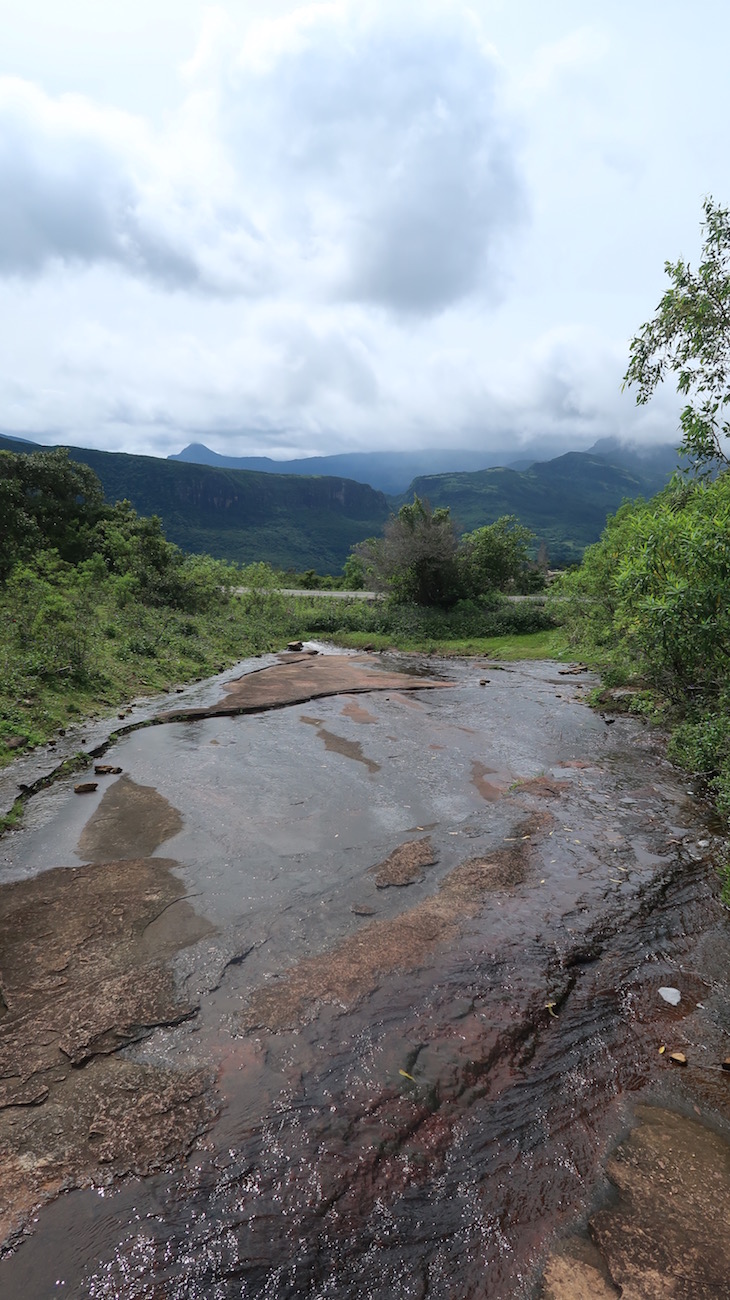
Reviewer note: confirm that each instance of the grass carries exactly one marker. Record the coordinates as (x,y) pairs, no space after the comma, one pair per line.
(150,651)
(550,644)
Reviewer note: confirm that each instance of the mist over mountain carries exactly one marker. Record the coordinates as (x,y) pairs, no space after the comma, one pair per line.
(387,471)
(302,521)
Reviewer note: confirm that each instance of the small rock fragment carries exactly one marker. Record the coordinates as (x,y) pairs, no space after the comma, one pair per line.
(673,996)
(106,769)
(86,787)
(295,645)
(678,1058)
(726,1064)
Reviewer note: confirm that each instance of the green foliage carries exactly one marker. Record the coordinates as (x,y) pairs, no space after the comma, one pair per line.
(651,601)
(415,560)
(46,501)
(353,574)
(420,624)
(418,560)
(78,639)
(674,581)
(494,558)
(702,745)
(652,596)
(689,337)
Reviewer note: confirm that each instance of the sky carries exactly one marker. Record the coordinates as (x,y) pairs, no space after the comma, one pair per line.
(350,226)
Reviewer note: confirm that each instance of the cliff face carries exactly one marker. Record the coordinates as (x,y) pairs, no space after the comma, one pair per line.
(288,520)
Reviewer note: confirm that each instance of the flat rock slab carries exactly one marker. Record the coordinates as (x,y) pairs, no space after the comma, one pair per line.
(82,974)
(298,678)
(131,822)
(665,1238)
(352,968)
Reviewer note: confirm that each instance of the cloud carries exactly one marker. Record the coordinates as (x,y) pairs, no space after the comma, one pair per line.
(386,133)
(339,154)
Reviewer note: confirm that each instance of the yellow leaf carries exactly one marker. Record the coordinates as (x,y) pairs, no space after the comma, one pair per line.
(406,1075)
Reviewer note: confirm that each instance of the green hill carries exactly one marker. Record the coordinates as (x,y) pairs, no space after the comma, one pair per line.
(288,520)
(307,521)
(565,501)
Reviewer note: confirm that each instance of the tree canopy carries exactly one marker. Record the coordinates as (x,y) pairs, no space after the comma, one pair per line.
(419,559)
(689,337)
(47,501)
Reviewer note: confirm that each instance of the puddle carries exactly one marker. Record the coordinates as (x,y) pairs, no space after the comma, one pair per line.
(340,745)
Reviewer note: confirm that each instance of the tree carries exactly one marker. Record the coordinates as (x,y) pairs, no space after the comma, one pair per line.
(494,558)
(689,337)
(415,560)
(48,502)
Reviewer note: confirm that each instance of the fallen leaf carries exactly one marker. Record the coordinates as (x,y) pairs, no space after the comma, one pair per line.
(549,1007)
(678,1058)
(662,1050)
(406,1075)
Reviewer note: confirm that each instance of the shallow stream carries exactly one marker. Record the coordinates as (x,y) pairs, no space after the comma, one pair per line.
(417,1084)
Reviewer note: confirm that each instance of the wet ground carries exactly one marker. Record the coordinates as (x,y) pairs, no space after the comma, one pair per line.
(360,997)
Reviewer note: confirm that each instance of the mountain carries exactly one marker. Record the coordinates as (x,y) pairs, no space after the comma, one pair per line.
(655,463)
(387,471)
(310,521)
(564,501)
(291,522)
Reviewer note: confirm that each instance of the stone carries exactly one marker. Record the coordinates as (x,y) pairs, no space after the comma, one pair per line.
(74,995)
(86,787)
(15,742)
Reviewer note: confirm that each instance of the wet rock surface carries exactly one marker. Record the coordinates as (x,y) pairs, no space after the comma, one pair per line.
(300,677)
(81,977)
(423,1091)
(130,821)
(404,865)
(664,1236)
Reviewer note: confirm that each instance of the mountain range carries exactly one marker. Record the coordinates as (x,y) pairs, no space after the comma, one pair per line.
(387,471)
(312,520)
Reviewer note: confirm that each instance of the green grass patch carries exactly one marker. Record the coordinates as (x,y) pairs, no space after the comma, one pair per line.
(48,683)
(550,644)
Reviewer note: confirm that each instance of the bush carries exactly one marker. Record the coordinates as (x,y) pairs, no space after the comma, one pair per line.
(492,615)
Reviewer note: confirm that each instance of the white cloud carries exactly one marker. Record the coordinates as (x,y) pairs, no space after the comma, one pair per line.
(359,224)
(339,154)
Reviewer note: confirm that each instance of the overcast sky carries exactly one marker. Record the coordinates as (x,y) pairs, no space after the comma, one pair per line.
(288,229)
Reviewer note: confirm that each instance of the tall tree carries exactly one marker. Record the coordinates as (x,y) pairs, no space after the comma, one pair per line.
(689,337)
(415,560)
(48,502)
